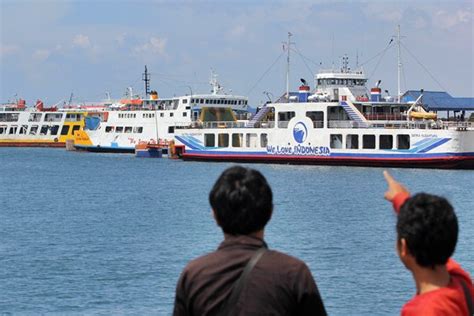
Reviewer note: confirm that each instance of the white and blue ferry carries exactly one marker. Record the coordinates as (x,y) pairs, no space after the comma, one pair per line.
(338,124)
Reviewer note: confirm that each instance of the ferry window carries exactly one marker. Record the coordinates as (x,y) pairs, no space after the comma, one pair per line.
(65,130)
(207,101)
(54,129)
(44,130)
(138,129)
(128,129)
(162,114)
(186,101)
(3,129)
(237,140)
(403,141)
(23,129)
(75,128)
(171,114)
(251,140)
(263,140)
(35,117)
(201,101)
(368,141)
(223,140)
(284,117)
(352,141)
(336,141)
(171,129)
(317,117)
(33,129)
(56,117)
(13,129)
(209,140)
(245,102)
(119,129)
(185,114)
(386,142)
(9,117)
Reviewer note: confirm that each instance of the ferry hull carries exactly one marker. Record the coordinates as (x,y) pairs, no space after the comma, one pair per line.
(99,149)
(465,161)
(32,144)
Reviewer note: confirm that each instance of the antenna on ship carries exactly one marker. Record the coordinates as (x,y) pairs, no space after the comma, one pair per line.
(288,65)
(146,78)
(399,64)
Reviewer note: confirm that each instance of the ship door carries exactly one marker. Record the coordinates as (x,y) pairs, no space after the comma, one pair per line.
(336,94)
(195,115)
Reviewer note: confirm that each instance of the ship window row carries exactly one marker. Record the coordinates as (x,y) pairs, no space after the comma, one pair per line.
(74,117)
(343,82)
(127,115)
(37,129)
(124,129)
(219,101)
(368,141)
(249,140)
(148,115)
(9,117)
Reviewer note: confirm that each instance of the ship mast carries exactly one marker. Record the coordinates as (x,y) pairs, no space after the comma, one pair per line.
(288,66)
(399,64)
(146,78)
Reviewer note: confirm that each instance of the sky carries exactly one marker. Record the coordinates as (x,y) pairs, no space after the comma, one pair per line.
(52,48)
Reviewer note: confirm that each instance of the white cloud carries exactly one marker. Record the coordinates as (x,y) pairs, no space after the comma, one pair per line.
(8,50)
(237,31)
(41,54)
(120,39)
(81,41)
(155,45)
(448,20)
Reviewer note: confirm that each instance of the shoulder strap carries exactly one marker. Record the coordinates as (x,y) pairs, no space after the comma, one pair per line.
(468,295)
(239,284)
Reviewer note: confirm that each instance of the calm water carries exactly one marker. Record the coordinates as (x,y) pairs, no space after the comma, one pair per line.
(109,234)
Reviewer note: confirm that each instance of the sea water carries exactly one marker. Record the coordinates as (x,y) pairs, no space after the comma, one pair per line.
(107,234)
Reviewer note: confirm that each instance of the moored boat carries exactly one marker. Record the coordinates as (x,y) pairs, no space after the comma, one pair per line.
(152,120)
(22,126)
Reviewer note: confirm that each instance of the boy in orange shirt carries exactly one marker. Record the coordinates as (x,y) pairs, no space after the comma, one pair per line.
(427,232)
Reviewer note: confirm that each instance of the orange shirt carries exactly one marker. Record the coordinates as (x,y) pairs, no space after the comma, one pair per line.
(449,300)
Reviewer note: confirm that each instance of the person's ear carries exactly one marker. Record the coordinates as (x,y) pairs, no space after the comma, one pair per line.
(214,216)
(403,248)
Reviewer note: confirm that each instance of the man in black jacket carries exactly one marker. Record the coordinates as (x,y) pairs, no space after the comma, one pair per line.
(278,284)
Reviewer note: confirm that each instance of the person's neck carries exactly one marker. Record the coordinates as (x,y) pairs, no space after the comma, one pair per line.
(430,279)
(259,234)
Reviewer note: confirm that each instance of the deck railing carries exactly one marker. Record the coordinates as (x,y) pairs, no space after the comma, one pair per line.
(336,124)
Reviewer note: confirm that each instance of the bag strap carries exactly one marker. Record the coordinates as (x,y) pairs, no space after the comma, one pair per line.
(468,296)
(239,284)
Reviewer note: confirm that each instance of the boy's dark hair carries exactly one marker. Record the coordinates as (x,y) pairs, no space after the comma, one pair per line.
(242,201)
(430,227)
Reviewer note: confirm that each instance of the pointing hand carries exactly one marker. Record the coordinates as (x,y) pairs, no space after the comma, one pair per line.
(394,187)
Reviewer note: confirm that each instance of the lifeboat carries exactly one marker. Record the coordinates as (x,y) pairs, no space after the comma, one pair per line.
(423,115)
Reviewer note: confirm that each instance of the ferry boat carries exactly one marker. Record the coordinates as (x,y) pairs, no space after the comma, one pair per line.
(153,120)
(338,124)
(22,126)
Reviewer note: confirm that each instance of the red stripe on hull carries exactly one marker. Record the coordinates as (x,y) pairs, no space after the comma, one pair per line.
(459,162)
(30,144)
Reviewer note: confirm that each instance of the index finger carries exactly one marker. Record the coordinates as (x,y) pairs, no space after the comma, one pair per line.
(388,177)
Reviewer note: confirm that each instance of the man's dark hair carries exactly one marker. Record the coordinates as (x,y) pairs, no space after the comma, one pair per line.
(242,201)
(430,227)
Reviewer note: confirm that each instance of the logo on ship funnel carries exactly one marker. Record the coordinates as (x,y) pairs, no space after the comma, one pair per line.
(300,132)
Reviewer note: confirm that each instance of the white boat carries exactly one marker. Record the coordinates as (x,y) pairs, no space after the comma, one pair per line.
(22,126)
(340,123)
(153,120)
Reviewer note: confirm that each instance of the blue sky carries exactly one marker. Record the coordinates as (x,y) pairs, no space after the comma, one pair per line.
(52,48)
